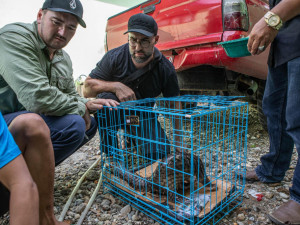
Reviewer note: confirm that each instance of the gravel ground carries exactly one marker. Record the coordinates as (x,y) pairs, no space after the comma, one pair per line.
(109,210)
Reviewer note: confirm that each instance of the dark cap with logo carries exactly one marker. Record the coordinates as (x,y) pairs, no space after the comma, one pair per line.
(69,6)
(142,23)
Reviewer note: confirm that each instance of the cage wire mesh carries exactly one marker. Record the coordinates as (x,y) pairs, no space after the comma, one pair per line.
(179,165)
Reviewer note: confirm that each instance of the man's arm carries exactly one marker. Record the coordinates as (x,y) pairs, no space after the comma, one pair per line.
(262,34)
(92,87)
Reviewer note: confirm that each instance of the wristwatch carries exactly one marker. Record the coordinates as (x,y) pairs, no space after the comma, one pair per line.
(273,20)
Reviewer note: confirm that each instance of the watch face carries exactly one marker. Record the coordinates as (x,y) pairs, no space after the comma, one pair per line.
(274,20)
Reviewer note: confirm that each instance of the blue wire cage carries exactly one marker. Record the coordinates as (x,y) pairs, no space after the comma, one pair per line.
(178,159)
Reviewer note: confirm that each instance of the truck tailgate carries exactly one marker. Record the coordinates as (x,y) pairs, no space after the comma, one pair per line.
(181,23)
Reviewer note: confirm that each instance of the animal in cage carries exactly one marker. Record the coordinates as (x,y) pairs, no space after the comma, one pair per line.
(169,178)
(179,174)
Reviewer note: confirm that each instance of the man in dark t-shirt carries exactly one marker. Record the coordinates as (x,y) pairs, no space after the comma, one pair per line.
(281,103)
(115,76)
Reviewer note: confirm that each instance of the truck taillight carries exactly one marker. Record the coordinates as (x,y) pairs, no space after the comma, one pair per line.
(235,15)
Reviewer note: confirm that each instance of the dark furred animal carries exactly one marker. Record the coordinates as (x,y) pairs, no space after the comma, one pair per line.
(171,178)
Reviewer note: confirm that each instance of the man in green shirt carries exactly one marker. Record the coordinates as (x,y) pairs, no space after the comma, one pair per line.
(36,81)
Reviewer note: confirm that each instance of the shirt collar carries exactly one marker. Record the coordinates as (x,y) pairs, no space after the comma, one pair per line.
(157,54)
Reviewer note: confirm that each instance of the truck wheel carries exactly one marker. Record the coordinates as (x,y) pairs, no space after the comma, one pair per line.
(260,94)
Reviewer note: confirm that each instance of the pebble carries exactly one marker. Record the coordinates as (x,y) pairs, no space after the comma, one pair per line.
(283,195)
(105,202)
(105,217)
(78,201)
(251,218)
(269,195)
(131,214)
(241,217)
(135,218)
(256,209)
(125,210)
(79,209)
(261,218)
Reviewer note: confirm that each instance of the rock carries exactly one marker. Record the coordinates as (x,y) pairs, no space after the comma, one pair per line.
(80,208)
(92,175)
(105,202)
(71,214)
(283,195)
(106,207)
(135,218)
(241,217)
(114,210)
(65,191)
(104,217)
(251,218)
(125,210)
(269,195)
(99,200)
(78,201)
(131,214)
(256,209)
(261,218)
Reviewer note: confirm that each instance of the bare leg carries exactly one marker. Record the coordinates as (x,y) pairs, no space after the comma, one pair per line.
(32,135)
(24,202)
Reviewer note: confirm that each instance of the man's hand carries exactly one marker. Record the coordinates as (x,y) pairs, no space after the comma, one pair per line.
(260,37)
(124,93)
(95,104)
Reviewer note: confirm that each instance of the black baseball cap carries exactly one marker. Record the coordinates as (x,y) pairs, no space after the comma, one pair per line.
(142,23)
(69,6)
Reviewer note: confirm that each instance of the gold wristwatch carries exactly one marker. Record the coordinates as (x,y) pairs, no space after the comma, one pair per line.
(273,20)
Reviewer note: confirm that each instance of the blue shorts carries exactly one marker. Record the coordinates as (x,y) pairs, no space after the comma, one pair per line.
(8,147)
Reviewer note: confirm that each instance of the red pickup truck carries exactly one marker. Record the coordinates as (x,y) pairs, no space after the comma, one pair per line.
(189,31)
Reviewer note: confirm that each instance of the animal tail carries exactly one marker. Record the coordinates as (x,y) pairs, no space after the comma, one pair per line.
(133,180)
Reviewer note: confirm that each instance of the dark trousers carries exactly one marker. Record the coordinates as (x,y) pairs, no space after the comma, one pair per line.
(280,104)
(67,135)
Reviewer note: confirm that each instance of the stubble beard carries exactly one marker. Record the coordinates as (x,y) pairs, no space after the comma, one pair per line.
(139,59)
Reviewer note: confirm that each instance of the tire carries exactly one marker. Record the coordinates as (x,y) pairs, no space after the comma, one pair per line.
(259,98)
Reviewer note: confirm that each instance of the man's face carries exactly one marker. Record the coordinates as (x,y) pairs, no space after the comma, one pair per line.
(56,28)
(141,47)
